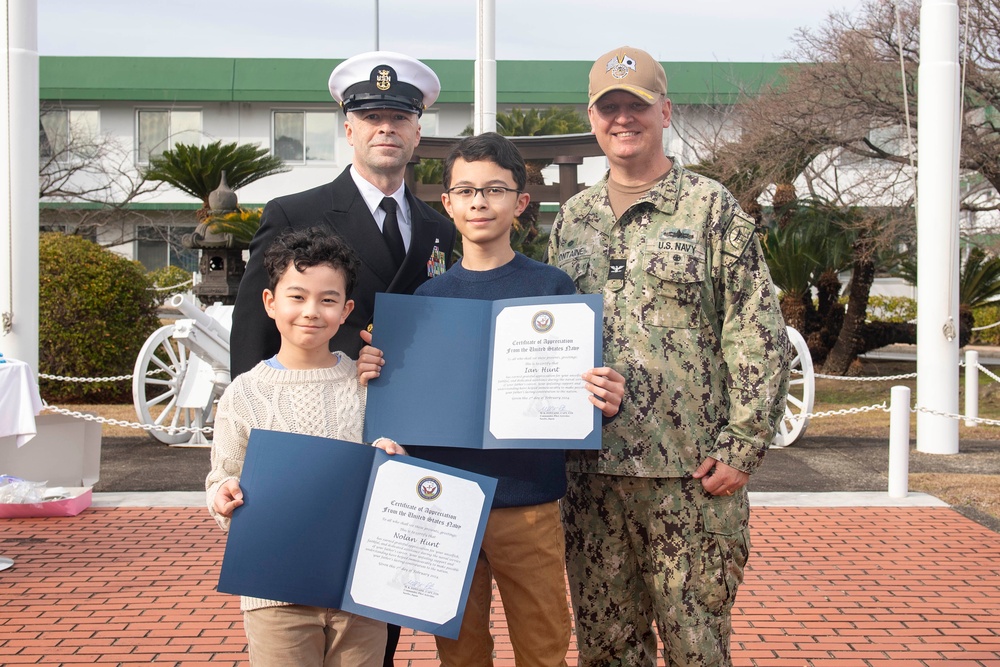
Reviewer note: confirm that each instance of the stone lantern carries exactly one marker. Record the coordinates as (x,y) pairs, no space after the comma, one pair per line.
(221,264)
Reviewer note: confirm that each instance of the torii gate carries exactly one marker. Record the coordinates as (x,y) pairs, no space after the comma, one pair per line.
(566,150)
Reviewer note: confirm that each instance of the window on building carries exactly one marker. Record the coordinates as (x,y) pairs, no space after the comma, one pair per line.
(160,130)
(68,134)
(157,246)
(892,140)
(305,136)
(429,124)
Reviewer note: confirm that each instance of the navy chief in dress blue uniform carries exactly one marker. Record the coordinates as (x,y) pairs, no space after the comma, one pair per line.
(383,95)
(402,242)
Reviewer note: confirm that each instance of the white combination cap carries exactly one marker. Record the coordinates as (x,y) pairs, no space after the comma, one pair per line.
(384,80)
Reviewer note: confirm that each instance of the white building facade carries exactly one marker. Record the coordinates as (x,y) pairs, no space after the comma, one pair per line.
(113,113)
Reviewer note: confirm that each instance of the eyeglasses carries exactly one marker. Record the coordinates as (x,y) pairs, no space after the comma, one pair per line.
(492,193)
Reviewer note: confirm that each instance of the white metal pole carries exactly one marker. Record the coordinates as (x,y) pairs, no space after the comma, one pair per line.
(937,226)
(971,387)
(486,68)
(899,442)
(376,25)
(19,184)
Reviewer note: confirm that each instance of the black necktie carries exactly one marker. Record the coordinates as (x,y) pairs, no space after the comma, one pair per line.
(390,230)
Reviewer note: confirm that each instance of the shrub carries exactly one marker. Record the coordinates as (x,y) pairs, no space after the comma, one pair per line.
(174,277)
(891,308)
(95,312)
(984,317)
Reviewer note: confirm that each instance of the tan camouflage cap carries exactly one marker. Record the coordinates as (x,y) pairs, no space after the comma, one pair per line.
(630,69)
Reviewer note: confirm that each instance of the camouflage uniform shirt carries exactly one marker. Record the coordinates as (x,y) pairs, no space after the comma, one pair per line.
(691,320)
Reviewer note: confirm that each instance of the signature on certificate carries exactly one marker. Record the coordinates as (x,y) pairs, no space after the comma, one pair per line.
(417,586)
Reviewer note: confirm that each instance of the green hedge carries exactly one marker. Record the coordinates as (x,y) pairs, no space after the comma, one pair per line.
(985,316)
(902,309)
(891,308)
(95,312)
(174,277)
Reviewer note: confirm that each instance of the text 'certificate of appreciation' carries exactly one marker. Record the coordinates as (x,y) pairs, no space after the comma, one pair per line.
(539,353)
(335,524)
(486,374)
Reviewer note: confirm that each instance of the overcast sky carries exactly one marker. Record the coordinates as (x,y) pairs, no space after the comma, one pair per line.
(702,30)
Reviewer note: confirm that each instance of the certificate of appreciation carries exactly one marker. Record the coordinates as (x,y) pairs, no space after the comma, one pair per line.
(486,374)
(535,382)
(416,551)
(335,524)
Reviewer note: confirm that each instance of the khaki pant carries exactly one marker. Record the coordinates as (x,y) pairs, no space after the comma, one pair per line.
(523,549)
(312,637)
(642,550)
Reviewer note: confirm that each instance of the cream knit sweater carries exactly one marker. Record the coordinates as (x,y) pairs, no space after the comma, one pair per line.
(327,402)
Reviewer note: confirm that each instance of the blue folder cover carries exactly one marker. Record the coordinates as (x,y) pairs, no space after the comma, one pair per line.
(295,538)
(434,387)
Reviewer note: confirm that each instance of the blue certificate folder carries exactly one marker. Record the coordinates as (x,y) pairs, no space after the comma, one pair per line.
(297,536)
(434,388)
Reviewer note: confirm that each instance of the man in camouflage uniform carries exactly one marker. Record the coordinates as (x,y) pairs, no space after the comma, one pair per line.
(657,521)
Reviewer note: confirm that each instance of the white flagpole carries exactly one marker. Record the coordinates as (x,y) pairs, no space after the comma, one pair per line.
(938,145)
(19,184)
(486,68)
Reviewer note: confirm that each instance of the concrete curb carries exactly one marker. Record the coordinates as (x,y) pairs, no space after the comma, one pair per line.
(757,499)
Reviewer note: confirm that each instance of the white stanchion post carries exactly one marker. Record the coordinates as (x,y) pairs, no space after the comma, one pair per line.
(899,442)
(971,387)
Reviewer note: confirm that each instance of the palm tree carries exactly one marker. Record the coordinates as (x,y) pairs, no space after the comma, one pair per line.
(793,257)
(241,224)
(978,281)
(197,170)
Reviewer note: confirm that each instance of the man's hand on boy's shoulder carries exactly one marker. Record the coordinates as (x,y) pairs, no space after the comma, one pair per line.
(370,360)
(607,389)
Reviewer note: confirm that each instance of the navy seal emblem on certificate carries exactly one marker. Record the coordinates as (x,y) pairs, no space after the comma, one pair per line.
(542,321)
(429,488)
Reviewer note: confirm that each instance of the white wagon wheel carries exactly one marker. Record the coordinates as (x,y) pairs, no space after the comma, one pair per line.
(163,392)
(801,393)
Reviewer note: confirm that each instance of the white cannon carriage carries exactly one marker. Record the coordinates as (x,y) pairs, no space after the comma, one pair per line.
(183,368)
(801,393)
(181,371)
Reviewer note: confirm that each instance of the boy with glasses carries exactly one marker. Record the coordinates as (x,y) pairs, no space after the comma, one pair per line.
(523,547)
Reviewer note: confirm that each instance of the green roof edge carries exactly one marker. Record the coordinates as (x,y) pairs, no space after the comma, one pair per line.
(184,80)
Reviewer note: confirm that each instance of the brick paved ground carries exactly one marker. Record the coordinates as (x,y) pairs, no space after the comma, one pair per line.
(844,587)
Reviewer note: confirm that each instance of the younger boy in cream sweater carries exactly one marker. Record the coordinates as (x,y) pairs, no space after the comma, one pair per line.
(304,389)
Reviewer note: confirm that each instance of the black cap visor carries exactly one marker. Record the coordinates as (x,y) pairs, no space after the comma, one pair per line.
(362,101)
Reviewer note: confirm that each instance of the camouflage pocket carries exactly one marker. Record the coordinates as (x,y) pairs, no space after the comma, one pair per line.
(725,550)
(673,296)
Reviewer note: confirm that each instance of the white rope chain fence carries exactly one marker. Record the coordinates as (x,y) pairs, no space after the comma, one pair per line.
(969,419)
(882,407)
(988,326)
(172,430)
(155,288)
(116,378)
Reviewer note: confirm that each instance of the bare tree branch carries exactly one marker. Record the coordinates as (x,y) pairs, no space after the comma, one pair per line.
(96,178)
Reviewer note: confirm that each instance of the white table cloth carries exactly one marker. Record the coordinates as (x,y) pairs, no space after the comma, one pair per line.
(19,401)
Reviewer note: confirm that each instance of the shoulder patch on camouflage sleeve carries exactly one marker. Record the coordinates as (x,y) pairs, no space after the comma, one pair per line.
(737,237)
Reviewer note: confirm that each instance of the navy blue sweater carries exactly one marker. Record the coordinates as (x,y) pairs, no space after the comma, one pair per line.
(524,476)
